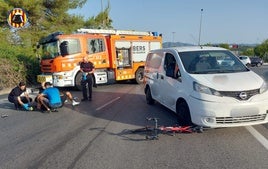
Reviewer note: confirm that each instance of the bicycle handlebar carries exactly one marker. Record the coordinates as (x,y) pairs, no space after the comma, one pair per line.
(152,118)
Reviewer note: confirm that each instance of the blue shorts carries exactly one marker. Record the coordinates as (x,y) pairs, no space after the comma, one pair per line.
(54,105)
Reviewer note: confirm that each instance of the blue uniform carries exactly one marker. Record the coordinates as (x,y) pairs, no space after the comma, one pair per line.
(53,96)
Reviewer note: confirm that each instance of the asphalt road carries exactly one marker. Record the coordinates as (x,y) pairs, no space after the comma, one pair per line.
(95,135)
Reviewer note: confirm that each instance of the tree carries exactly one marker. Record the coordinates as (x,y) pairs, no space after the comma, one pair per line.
(248,52)
(261,49)
(44,16)
(224,45)
(102,20)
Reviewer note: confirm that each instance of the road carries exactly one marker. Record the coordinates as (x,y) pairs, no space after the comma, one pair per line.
(95,135)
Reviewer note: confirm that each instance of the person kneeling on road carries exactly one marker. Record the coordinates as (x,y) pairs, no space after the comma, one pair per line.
(49,98)
(64,95)
(20,97)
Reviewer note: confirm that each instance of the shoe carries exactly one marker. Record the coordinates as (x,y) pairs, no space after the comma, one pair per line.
(89,99)
(75,103)
(30,108)
(84,100)
(47,111)
(54,110)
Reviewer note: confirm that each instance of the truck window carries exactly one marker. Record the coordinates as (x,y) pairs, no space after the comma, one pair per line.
(73,45)
(123,57)
(95,45)
(50,50)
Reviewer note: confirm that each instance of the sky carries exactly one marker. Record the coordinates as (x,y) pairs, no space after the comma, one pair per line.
(221,21)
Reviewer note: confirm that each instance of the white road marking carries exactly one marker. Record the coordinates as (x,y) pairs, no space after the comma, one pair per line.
(258,136)
(99,108)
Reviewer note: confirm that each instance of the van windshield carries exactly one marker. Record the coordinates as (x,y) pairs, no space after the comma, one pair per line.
(211,62)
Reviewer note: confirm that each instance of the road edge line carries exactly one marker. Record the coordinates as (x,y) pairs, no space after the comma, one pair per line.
(258,136)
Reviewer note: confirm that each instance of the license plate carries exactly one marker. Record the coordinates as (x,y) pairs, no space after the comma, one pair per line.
(44,78)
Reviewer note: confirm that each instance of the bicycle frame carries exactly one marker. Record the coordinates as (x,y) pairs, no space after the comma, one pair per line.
(155,130)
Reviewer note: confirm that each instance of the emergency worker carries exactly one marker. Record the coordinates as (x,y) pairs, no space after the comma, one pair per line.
(87,68)
(50,97)
(19,97)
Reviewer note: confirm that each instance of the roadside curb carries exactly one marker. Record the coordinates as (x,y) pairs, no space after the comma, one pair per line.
(6,91)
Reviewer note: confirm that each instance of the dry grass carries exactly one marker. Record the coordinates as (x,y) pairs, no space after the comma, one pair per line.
(10,73)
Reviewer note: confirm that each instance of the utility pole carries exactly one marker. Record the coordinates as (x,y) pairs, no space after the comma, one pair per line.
(200,27)
(173,35)
(102,12)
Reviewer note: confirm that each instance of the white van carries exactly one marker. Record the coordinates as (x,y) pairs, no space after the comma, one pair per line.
(206,86)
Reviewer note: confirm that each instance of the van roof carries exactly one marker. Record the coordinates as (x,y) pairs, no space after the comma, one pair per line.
(193,48)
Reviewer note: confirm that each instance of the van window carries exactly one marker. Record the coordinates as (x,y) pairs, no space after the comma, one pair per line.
(153,60)
(203,62)
(169,65)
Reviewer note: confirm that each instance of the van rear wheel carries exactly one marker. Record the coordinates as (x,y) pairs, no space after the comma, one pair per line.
(183,112)
(149,98)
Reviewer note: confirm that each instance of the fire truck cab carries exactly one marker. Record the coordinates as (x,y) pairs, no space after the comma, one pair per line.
(116,54)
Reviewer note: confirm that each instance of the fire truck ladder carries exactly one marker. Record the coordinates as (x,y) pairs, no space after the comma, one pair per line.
(116,32)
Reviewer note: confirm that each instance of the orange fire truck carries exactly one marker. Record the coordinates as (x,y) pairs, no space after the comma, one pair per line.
(117,55)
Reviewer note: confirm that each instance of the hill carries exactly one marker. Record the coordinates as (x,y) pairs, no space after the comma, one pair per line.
(175,44)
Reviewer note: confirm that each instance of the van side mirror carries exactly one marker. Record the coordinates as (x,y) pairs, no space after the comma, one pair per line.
(178,74)
(64,48)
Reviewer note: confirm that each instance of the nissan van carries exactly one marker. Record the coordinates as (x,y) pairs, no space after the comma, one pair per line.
(205,86)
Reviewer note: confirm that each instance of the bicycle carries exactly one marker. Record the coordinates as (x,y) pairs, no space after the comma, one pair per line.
(156,129)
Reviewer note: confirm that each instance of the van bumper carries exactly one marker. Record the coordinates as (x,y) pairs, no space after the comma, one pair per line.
(228,114)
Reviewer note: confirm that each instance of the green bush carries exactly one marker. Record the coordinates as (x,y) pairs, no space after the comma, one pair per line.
(17,64)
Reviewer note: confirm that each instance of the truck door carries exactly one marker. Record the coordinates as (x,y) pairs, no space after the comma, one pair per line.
(97,50)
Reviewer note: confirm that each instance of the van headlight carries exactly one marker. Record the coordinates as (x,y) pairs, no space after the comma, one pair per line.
(204,89)
(263,87)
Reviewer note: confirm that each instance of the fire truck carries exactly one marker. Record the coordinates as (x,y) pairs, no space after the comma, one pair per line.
(116,54)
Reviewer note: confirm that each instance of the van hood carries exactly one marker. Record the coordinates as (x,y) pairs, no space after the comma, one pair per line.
(230,81)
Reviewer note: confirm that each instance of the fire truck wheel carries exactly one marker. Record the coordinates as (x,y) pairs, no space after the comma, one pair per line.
(78,78)
(139,75)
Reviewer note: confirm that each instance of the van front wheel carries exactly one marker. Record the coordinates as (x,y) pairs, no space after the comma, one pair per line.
(183,112)
(149,98)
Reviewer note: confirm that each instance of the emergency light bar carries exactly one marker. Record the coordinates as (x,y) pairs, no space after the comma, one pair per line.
(116,32)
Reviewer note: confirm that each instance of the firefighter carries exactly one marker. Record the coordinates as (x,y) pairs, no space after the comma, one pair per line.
(87,68)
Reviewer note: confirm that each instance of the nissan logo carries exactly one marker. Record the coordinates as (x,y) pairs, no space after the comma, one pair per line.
(243,95)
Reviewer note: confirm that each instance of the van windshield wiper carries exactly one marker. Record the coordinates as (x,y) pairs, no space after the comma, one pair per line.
(211,71)
(198,72)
